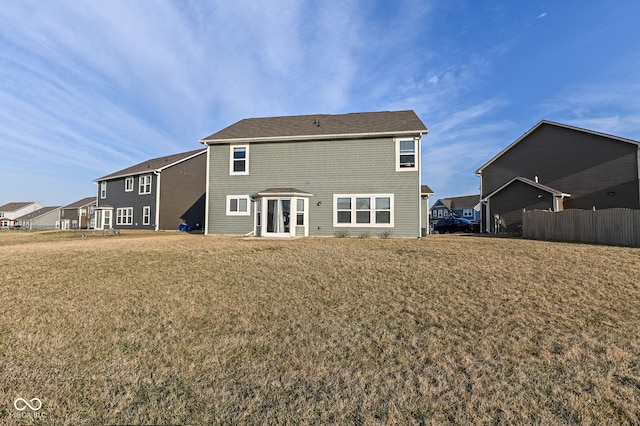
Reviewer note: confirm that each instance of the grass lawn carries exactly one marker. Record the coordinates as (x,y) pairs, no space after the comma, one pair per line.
(170,328)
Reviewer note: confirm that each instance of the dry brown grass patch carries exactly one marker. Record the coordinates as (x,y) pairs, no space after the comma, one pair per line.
(186,329)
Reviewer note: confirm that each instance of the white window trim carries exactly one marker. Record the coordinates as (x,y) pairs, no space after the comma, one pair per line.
(238,197)
(246,160)
(129,184)
(142,185)
(146,215)
(305,208)
(416,150)
(103,189)
(353,223)
(107,217)
(128,213)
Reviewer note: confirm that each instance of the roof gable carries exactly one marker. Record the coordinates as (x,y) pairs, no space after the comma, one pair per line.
(425,190)
(530,182)
(320,126)
(81,203)
(459,203)
(153,165)
(551,123)
(12,207)
(37,213)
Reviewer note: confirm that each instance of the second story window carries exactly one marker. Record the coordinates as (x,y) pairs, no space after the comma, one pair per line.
(103,189)
(239,160)
(144,185)
(406,154)
(128,184)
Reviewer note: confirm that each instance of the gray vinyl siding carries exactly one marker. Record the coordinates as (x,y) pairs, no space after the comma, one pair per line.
(44,221)
(322,168)
(118,198)
(586,165)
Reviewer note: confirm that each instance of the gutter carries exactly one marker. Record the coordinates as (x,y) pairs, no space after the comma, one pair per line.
(309,137)
(157,212)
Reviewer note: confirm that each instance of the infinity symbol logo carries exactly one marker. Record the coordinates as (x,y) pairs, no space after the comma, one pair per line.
(37,404)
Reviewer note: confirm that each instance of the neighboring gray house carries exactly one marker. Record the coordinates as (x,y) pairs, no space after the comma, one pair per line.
(555,167)
(157,194)
(467,207)
(317,175)
(78,215)
(43,218)
(11,211)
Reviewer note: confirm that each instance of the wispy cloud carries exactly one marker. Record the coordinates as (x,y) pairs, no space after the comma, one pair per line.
(89,88)
(610,105)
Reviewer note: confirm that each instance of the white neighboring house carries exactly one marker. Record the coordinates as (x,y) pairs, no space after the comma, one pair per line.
(11,211)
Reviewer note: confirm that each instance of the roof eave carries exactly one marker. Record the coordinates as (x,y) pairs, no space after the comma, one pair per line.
(166,166)
(147,171)
(313,137)
(541,187)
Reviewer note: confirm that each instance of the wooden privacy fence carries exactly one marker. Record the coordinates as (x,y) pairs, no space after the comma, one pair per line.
(619,227)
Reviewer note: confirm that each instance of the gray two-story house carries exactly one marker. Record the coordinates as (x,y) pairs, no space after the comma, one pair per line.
(317,175)
(555,166)
(157,194)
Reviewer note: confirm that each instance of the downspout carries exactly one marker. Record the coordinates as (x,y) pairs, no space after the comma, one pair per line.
(207,192)
(487,222)
(482,206)
(419,161)
(157,173)
(638,166)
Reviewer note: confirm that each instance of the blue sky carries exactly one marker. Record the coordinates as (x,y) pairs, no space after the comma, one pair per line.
(88,88)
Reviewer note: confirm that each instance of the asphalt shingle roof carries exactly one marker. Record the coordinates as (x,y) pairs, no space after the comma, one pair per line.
(321,126)
(37,213)
(151,165)
(461,203)
(11,207)
(80,203)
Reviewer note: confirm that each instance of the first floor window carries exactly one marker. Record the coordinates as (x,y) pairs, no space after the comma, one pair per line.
(343,210)
(146,215)
(144,184)
(124,216)
(363,210)
(238,205)
(383,210)
(300,212)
